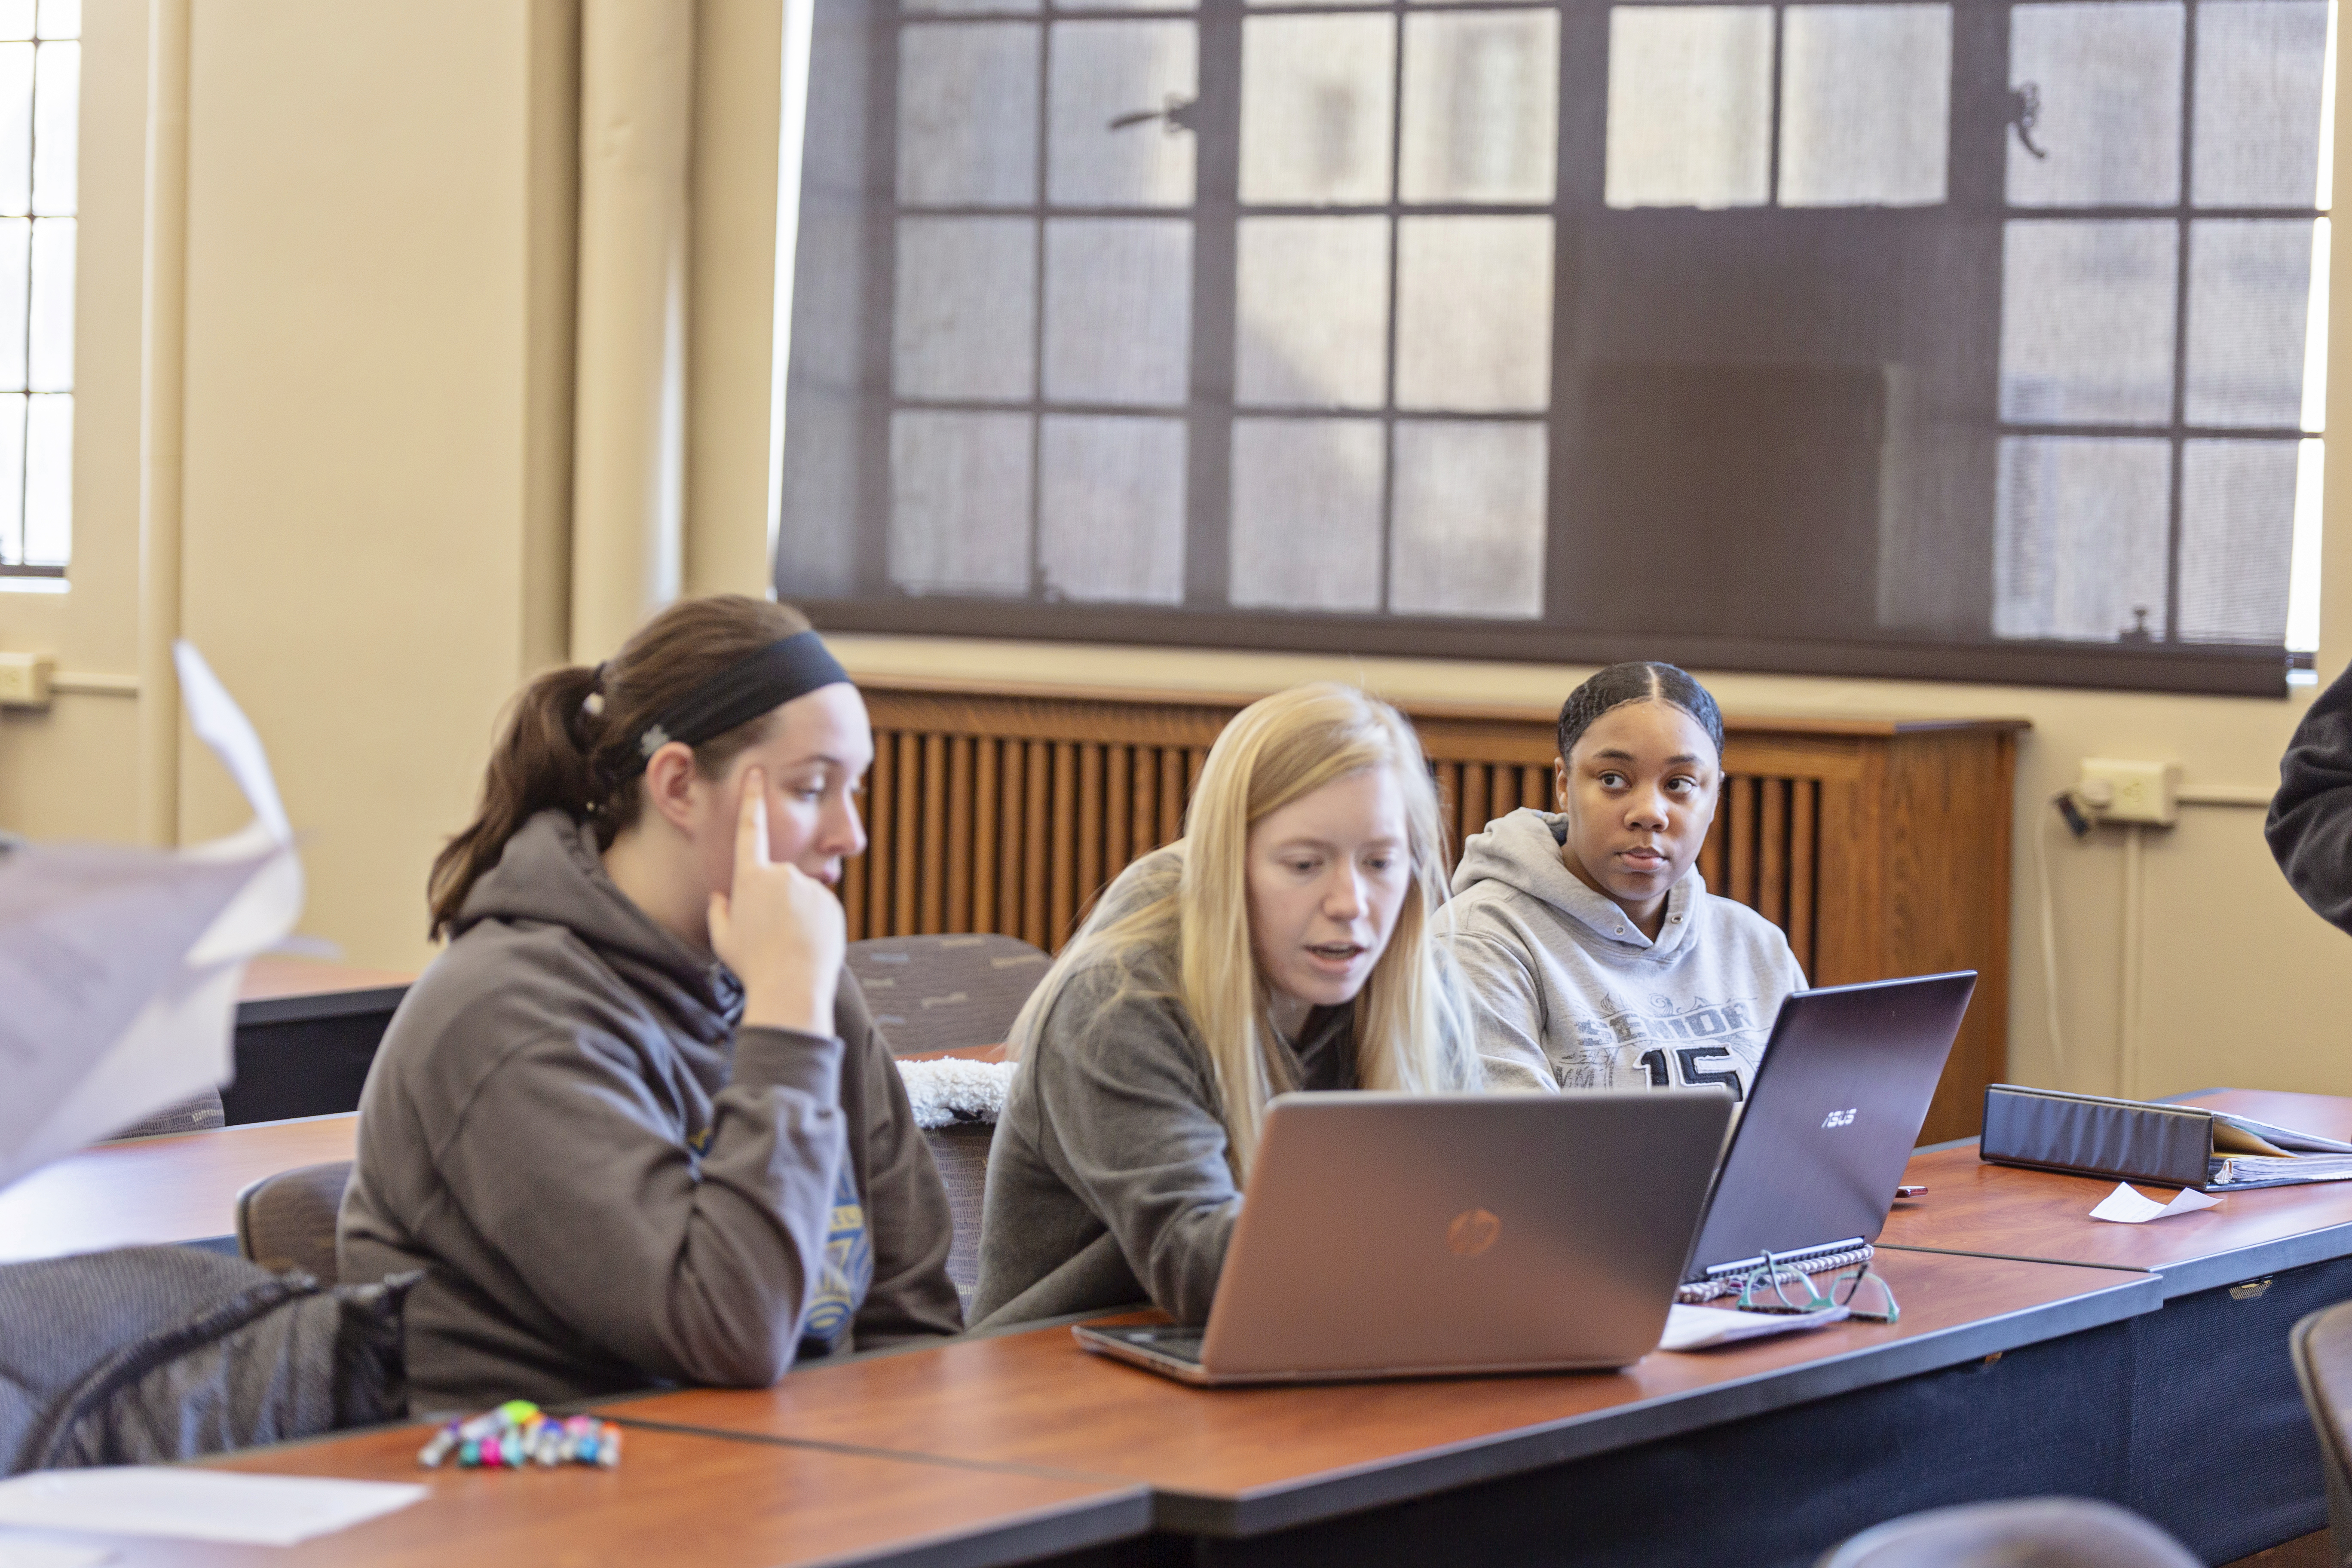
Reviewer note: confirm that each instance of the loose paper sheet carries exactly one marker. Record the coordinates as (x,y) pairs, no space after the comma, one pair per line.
(191,1504)
(19,1554)
(120,966)
(2125,1206)
(1700,1328)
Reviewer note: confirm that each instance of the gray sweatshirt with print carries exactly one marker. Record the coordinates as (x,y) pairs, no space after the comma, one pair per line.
(1572,995)
(608,1183)
(1107,1182)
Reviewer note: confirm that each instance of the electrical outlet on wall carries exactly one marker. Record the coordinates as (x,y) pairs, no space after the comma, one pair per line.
(24,679)
(2117,791)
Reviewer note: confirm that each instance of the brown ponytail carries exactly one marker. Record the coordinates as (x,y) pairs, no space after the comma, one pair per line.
(565,741)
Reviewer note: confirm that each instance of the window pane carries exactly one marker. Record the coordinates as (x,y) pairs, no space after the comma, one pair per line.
(2249,298)
(48,480)
(1469,527)
(62,18)
(2086,321)
(17,18)
(1111,522)
(57,115)
(965,321)
(15,128)
(959,502)
(1119,311)
(2237,538)
(1866,105)
(2261,68)
(968,114)
(52,333)
(1105,69)
(15,278)
(1311,318)
(1317,96)
(1690,106)
(1481,106)
(2079,548)
(1307,514)
(1474,314)
(2108,76)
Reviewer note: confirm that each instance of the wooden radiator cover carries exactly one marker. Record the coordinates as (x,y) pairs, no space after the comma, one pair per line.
(1881,846)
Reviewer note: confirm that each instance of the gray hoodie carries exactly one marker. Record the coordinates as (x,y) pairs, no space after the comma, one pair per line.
(607,1184)
(1572,995)
(1107,1182)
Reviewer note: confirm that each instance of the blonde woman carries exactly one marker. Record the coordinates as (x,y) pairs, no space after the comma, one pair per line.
(1283,943)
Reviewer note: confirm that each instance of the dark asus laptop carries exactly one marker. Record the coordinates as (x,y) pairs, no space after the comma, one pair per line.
(1831,1120)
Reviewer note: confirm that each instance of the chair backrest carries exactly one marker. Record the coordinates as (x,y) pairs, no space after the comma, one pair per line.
(937,993)
(960,1152)
(2321,1345)
(288,1220)
(2030,1533)
(198,1113)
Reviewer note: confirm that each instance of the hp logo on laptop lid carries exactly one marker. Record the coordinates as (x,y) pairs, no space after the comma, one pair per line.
(1472,1232)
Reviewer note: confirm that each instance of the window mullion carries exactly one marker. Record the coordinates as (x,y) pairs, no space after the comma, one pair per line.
(1209,416)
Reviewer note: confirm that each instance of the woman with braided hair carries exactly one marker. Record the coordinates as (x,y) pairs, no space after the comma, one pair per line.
(1599,958)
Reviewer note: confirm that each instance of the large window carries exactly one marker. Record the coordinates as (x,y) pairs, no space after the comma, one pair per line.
(1914,338)
(40,106)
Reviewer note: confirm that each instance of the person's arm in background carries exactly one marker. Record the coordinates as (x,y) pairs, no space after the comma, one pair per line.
(2310,825)
(1506,1005)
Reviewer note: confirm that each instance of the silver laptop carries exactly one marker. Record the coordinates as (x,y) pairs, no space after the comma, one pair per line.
(1422,1236)
(1832,1117)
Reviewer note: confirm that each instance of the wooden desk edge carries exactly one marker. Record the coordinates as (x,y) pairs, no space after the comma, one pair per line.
(1627,1426)
(306,1005)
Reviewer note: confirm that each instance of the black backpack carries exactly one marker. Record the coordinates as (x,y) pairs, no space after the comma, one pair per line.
(143,1355)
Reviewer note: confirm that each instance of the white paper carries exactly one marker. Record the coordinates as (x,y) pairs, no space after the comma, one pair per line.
(1699,1328)
(49,1554)
(2125,1206)
(120,966)
(187,1503)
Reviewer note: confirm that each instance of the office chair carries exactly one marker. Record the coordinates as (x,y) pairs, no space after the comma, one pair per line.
(2028,1532)
(197,1113)
(2321,1345)
(288,1221)
(937,993)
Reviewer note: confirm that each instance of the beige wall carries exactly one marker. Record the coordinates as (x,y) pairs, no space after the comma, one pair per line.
(376,473)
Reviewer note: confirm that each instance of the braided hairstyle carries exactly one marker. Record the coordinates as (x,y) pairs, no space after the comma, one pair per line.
(1641,681)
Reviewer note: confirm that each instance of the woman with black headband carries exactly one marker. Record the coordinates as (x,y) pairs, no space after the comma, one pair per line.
(633,1126)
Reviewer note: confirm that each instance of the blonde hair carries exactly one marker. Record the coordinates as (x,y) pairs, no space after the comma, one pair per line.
(1412,1029)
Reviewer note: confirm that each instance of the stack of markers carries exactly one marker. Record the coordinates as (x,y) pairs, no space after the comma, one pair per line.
(516,1435)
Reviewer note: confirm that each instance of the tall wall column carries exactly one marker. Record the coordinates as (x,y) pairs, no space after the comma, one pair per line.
(636,117)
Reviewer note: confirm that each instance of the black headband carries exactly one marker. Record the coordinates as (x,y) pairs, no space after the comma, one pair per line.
(741,693)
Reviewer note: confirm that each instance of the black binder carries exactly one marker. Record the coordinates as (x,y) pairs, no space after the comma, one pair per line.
(2144,1141)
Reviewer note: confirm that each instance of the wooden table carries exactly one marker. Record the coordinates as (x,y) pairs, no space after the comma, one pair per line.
(2223,1454)
(674,1497)
(1229,1462)
(2010,1211)
(306,1034)
(178,1188)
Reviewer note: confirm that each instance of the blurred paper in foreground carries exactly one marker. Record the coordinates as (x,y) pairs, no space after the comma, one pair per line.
(120,967)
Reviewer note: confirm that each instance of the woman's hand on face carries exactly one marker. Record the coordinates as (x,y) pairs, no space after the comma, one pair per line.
(778,928)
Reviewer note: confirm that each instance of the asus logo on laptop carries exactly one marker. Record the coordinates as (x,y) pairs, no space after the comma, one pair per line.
(1839,1119)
